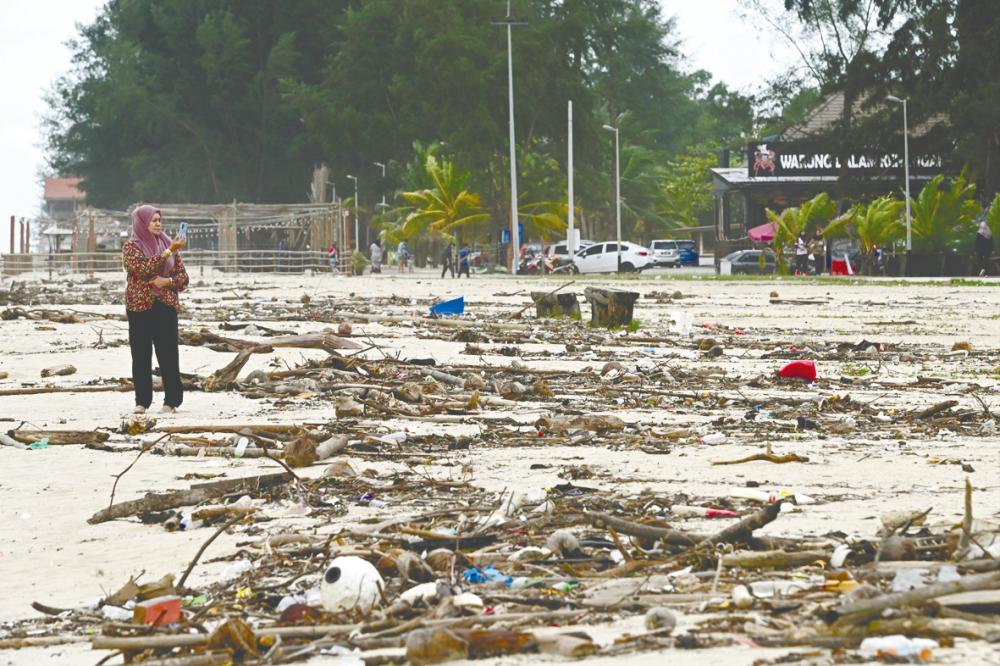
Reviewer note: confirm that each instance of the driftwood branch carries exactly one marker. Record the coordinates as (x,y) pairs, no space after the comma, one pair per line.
(858,612)
(194,495)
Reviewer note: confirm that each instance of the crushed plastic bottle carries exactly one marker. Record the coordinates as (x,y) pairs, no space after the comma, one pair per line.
(237,569)
(486,574)
(241,447)
(681,322)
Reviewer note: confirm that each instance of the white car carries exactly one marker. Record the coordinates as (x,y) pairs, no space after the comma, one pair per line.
(603,258)
(666,253)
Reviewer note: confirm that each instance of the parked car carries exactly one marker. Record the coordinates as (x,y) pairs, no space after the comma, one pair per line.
(687,253)
(747,262)
(673,253)
(603,258)
(558,258)
(665,253)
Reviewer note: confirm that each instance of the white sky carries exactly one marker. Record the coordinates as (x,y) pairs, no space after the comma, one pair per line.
(33,54)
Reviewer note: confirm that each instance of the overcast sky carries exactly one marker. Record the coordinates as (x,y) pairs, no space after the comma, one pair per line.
(33,53)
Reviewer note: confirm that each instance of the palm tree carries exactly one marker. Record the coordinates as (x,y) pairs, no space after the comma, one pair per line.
(795,221)
(444,208)
(876,225)
(543,219)
(942,216)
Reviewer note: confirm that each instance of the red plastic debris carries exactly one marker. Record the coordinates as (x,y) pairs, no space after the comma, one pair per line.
(158,611)
(720,513)
(799,370)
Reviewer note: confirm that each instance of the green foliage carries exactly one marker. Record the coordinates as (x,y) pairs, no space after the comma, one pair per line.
(942,215)
(445,207)
(993,216)
(215,100)
(686,189)
(792,222)
(875,225)
(358,262)
(181,101)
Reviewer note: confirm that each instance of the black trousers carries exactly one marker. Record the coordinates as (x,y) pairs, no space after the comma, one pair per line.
(446,266)
(155,328)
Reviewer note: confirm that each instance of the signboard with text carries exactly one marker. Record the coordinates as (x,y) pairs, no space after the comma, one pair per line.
(778,159)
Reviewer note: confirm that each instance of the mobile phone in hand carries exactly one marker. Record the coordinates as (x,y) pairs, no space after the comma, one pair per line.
(184,229)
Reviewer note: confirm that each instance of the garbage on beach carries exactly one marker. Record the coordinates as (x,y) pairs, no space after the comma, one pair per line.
(450,308)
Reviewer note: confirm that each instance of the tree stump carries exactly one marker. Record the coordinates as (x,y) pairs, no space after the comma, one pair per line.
(555,306)
(610,307)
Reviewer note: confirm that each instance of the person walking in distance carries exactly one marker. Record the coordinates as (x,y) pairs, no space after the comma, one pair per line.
(448,260)
(331,257)
(801,255)
(376,256)
(156,275)
(984,247)
(464,255)
(817,250)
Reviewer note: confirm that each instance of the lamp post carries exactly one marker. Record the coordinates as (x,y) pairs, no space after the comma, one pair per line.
(906,171)
(618,197)
(357,239)
(382,166)
(515,240)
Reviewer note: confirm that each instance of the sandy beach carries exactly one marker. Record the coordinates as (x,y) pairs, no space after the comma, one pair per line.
(856,472)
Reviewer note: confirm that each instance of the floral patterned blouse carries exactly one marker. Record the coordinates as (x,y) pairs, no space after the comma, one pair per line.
(141,269)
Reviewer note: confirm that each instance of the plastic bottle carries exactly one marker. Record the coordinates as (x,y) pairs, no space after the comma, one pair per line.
(241,447)
(713,438)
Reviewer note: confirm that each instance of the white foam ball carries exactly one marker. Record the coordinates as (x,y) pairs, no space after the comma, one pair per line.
(350,583)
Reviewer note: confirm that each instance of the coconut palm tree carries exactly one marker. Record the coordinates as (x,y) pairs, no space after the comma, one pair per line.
(876,225)
(942,215)
(792,222)
(444,208)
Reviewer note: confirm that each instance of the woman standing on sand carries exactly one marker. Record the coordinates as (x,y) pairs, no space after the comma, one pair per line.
(155,276)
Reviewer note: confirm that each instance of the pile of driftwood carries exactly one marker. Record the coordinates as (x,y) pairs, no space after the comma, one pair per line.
(458,572)
(476,575)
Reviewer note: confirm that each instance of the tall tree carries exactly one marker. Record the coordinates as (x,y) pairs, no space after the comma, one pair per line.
(181,101)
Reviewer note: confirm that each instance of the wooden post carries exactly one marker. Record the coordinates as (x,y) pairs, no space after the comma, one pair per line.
(555,306)
(73,246)
(91,243)
(27,236)
(12,234)
(20,235)
(610,307)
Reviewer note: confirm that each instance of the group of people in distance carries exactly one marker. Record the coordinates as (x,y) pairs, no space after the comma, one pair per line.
(448,260)
(813,250)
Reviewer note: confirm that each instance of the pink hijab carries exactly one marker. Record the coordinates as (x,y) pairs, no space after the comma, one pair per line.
(149,244)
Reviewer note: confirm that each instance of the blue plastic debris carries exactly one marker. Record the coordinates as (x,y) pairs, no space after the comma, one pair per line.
(455,306)
(485,575)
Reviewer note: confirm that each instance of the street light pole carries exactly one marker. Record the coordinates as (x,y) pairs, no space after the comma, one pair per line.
(906,175)
(382,166)
(357,238)
(515,240)
(618,196)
